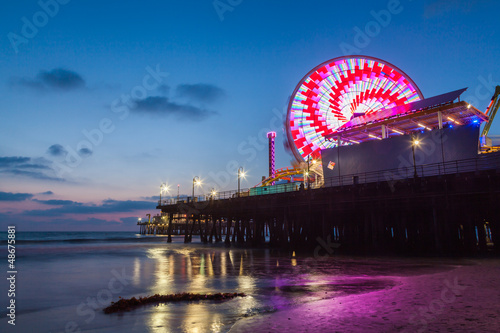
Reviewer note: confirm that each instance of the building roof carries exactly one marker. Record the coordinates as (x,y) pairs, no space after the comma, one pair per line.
(412,117)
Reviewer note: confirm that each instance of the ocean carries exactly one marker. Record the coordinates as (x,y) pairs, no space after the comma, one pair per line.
(64,280)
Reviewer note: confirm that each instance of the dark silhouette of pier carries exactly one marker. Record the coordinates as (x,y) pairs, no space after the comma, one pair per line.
(449,208)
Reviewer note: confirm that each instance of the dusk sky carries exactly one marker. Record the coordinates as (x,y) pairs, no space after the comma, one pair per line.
(102,101)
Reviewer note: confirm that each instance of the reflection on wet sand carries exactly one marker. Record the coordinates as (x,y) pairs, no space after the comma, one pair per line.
(204,271)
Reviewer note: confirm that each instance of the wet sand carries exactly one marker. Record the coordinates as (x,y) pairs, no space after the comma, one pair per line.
(463,299)
(64,286)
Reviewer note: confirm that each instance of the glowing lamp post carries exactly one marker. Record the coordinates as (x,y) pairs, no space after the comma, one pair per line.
(197,182)
(163,188)
(241,174)
(414,143)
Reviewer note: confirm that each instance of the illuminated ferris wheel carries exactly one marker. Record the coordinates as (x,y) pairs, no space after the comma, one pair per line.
(338,90)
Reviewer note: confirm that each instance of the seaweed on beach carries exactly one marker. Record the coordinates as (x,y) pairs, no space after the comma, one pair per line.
(132,303)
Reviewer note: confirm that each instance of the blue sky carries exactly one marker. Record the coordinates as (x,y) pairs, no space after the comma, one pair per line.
(169,90)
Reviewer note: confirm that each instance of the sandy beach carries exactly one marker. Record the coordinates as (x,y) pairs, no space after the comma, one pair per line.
(464,299)
(66,281)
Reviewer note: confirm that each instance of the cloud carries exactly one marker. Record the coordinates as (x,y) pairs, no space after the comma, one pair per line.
(58,202)
(163,89)
(58,79)
(126,206)
(33,174)
(200,92)
(32,166)
(85,152)
(154,197)
(27,167)
(73,207)
(73,215)
(192,105)
(92,222)
(69,223)
(13,160)
(440,7)
(61,79)
(9,196)
(159,105)
(165,197)
(57,150)
(47,193)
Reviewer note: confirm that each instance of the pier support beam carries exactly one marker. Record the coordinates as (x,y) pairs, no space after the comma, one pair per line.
(170,221)
(228,232)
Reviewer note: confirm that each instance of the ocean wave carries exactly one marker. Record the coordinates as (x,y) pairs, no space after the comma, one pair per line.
(74,239)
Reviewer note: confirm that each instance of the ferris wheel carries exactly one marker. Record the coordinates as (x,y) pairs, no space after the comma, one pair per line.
(338,90)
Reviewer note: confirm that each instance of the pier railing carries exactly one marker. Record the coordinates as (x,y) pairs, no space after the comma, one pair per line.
(234,194)
(481,163)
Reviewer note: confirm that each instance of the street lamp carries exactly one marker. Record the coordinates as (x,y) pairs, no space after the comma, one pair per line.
(163,187)
(213,193)
(178,186)
(414,143)
(241,174)
(197,181)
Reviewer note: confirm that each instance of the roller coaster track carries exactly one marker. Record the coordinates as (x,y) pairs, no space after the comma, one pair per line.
(284,173)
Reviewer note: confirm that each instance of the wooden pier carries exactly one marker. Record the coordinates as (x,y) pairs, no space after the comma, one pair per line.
(456,214)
